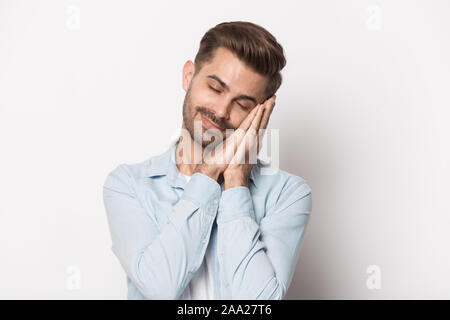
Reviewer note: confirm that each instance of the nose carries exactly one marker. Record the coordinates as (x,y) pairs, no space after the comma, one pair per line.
(222,110)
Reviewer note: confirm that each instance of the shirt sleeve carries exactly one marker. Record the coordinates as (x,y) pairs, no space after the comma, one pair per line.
(160,262)
(257,261)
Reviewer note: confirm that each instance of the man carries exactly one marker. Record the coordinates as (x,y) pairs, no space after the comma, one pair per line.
(188,229)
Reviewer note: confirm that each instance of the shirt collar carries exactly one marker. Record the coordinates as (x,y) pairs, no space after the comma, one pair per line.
(164,165)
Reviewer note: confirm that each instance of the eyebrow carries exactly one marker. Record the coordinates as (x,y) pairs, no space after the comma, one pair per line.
(224,85)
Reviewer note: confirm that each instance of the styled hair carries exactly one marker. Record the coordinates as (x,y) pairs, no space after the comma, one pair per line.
(251,43)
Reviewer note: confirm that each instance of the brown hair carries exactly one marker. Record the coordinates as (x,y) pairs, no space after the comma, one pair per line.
(251,43)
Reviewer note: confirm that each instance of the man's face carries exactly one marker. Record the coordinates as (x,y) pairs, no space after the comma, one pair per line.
(223,92)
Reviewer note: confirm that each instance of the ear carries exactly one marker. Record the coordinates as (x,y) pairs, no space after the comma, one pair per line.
(188,73)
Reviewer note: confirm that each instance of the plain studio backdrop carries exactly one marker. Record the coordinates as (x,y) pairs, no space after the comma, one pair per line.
(363,114)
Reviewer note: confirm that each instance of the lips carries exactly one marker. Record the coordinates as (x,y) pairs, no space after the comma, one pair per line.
(209,124)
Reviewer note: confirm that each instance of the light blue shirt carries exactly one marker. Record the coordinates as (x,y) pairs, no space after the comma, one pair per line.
(162,225)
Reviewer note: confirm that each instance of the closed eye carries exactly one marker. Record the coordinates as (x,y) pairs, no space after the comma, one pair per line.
(245,108)
(218,91)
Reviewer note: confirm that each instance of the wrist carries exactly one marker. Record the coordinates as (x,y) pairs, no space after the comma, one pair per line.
(232,181)
(210,172)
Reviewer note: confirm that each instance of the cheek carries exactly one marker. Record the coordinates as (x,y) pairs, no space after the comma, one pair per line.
(237,116)
(209,100)
(203,99)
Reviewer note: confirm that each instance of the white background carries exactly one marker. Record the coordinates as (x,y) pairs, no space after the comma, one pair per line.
(363,114)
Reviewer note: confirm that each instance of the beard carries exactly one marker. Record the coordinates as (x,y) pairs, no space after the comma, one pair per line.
(196,129)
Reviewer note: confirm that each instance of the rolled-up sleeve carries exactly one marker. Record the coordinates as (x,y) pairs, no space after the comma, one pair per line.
(257,261)
(160,262)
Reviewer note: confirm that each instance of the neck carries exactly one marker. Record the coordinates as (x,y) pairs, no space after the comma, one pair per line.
(185,151)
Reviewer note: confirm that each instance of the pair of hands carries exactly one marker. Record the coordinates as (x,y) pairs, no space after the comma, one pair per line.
(230,156)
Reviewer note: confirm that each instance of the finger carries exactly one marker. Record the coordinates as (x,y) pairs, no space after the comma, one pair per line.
(268,106)
(252,132)
(248,145)
(229,145)
(257,120)
(233,140)
(249,119)
(239,156)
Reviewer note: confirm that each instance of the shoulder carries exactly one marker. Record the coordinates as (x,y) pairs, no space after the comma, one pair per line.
(125,175)
(281,187)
